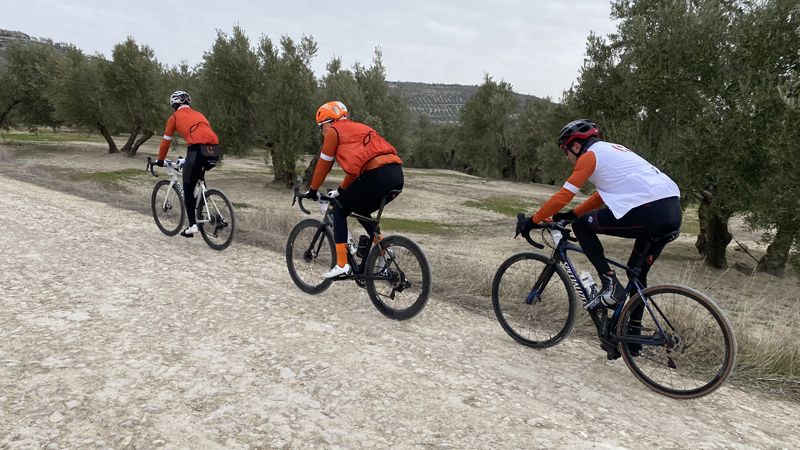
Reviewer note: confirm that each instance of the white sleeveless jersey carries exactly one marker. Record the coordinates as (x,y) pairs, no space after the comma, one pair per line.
(625,180)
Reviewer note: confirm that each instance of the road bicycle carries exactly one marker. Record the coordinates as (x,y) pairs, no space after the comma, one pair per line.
(393,269)
(683,347)
(215,217)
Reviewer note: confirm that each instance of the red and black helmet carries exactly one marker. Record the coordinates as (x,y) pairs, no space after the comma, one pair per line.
(577,130)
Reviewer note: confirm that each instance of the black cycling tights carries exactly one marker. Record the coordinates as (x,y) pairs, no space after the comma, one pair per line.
(651,220)
(364,197)
(193,170)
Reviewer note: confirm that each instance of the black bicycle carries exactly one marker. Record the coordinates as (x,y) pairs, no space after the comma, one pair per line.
(683,347)
(394,270)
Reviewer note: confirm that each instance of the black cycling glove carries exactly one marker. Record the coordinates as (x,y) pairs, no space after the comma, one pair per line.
(569,216)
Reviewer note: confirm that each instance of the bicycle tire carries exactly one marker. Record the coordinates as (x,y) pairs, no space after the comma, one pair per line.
(687,355)
(511,286)
(407,277)
(219,232)
(305,265)
(162,211)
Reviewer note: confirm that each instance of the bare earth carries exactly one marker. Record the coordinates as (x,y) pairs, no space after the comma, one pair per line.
(105,342)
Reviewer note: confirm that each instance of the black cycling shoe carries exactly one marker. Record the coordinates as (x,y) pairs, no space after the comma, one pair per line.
(611,292)
(612,351)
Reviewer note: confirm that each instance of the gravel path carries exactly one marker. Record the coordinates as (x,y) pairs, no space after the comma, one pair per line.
(105,342)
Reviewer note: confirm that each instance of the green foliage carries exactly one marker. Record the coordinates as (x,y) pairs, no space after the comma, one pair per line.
(229,86)
(489,144)
(432,146)
(25,83)
(290,102)
(133,79)
(79,94)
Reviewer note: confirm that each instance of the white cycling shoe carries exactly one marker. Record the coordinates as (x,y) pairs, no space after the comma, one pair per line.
(190,231)
(336,271)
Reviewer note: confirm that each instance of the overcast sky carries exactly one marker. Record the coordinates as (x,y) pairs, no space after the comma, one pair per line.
(536,45)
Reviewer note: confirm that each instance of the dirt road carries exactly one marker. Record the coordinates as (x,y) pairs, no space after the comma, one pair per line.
(106,342)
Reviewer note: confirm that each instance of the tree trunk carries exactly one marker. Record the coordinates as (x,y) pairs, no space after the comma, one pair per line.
(8,110)
(774,262)
(146,134)
(713,240)
(309,172)
(112,146)
(131,139)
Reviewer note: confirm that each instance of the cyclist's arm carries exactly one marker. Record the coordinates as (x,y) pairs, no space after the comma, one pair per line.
(590,204)
(326,157)
(583,170)
(169,130)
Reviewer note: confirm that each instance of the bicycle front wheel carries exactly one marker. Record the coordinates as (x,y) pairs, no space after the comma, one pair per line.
(216,220)
(167,206)
(538,320)
(692,349)
(310,252)
(398,277)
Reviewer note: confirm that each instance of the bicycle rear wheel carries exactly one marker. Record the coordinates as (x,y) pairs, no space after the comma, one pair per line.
(699,348)
(167,207)
(310,252)
(398,277)
(219,230)
(541,322)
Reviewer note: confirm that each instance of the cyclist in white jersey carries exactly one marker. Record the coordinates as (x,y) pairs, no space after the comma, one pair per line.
(642,203)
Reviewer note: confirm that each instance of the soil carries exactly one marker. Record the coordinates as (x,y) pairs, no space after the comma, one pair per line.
(113,335)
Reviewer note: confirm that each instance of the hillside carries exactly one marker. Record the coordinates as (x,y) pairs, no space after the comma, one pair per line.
(7,37)
(440,102)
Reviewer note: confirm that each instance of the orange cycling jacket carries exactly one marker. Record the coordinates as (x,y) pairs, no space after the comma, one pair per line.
(191,125)
(356,147)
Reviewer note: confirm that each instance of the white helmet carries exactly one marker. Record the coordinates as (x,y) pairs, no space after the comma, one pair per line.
(179,98)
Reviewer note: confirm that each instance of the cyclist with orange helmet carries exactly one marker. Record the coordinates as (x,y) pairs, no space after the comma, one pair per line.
(372,169)
(641,202)
(201,154)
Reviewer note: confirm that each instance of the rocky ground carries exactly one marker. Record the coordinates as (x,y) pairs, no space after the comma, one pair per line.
(115,336)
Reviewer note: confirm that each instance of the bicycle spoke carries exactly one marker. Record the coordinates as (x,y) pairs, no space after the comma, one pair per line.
(548,318)
(698,350)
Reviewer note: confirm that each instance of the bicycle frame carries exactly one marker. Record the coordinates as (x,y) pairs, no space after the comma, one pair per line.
(359,272)
(175,180)
(560,256)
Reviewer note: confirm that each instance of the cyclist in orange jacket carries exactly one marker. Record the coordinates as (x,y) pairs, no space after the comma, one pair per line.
(201,153)
(372,169)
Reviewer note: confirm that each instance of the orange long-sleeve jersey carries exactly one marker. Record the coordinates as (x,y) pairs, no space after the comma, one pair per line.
(191,125)
(330,145)
(584,168)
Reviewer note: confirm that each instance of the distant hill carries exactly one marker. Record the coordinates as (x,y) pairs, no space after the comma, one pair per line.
(7,37)
(440,102)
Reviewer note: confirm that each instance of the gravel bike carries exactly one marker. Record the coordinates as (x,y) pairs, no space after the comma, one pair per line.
(394,270)
(683,347)
(215,217)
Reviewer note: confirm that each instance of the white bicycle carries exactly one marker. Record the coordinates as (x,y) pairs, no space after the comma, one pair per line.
(215,217)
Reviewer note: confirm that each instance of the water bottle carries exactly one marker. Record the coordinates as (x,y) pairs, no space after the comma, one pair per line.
(351,245)
(588,282)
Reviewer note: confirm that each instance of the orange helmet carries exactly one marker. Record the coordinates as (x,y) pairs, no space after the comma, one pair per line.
(331,111)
